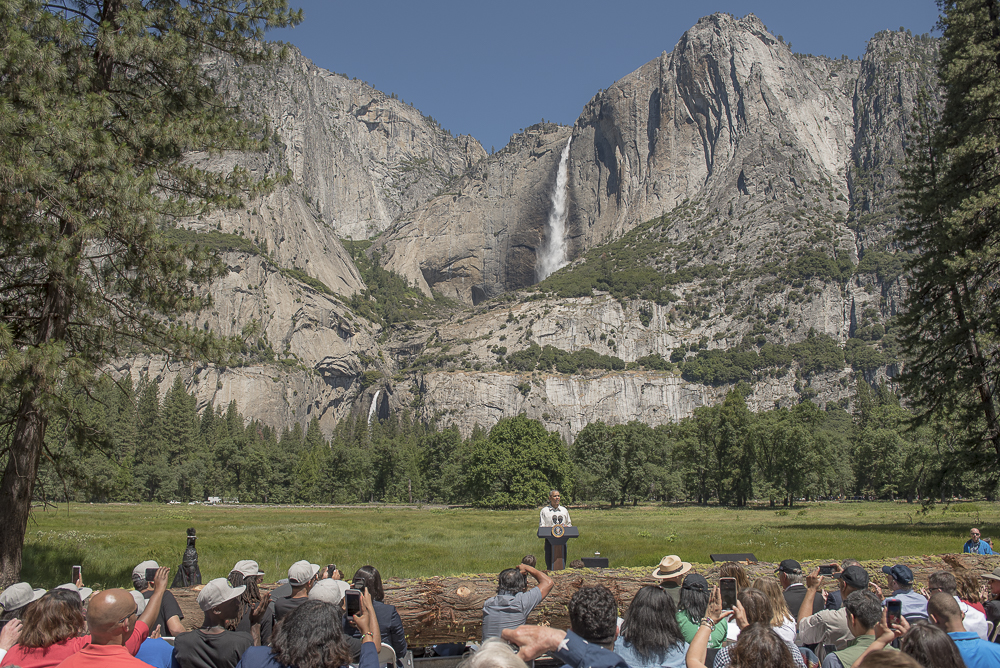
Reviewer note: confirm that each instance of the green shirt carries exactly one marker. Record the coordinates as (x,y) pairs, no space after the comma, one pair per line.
(690,626)
(850,654)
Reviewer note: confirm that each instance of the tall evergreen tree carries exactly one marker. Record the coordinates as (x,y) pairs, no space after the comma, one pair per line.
(99,101)
(951,322)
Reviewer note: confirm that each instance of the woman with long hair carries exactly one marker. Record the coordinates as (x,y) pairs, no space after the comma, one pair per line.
(388,619)
(931,646)
(758,646)
(695,593)
(650,636)
(782,621)
(312,636)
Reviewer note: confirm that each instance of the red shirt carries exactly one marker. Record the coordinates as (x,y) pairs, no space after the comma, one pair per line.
(102,656)
(53,655)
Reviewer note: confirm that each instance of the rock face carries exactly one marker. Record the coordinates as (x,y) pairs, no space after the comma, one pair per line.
(730,155)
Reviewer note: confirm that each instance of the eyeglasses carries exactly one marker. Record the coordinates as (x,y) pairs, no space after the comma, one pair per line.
(134,613)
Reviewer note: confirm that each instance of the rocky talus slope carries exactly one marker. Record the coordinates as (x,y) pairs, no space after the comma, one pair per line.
(756,187)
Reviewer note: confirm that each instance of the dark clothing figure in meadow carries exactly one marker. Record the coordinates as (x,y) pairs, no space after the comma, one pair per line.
(188,575)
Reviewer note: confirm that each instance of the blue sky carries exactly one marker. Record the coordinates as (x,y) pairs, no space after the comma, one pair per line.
(489,69)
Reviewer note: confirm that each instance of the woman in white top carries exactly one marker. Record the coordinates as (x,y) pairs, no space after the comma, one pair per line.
(782,621)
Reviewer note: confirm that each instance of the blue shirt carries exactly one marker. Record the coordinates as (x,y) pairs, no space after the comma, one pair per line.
(158,653)
(913,603)
(673,658)
(976,652)
(980,547)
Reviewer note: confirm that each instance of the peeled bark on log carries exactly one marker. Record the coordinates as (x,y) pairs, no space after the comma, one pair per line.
(450,609)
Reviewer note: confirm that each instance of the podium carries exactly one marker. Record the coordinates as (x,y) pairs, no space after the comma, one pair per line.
(556,538)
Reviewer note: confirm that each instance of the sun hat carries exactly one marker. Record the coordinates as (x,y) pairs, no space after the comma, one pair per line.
(900,573)
(19,595)
(331,591)
(302,572)
(83,592)
(696,582)
(789,566)
(217,592)
(995,575)
(248,568)
(853,576)
(671,566)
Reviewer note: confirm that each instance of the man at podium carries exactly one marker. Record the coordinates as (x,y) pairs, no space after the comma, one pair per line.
(552,515)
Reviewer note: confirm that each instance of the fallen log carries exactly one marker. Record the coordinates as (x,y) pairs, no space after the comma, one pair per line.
(450,609)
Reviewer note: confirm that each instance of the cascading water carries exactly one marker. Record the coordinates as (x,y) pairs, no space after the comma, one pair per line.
(371,411)
(553,254)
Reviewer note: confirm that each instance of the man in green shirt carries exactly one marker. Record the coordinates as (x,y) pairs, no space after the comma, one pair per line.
(864,611)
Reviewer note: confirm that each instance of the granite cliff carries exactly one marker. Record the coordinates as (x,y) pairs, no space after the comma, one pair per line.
(755,186)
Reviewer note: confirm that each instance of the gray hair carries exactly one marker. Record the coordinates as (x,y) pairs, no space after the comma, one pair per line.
(795,578)
(494,653)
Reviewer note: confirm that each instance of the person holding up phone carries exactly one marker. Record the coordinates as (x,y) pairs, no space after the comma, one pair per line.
(170,614)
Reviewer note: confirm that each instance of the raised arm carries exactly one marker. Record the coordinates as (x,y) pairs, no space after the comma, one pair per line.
(545,583)
(813,582)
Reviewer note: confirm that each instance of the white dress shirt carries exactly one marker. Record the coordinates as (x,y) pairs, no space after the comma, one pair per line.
(551,516)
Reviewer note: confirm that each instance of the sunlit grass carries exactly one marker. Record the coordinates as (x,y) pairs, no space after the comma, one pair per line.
(108,540)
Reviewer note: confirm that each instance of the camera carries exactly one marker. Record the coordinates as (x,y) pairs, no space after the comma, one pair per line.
(358,584)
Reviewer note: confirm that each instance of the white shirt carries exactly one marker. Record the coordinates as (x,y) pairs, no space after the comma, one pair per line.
(551,516)
(975,621)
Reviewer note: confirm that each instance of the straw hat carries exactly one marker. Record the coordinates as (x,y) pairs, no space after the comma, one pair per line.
(671,566)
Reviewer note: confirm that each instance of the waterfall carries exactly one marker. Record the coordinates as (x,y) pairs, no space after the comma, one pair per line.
(371,411)
(553,253)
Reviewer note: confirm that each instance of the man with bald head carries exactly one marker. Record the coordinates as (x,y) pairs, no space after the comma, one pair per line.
(112,616)
(943,611)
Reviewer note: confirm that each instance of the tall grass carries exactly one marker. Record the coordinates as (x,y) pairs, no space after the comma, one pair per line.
(108,540)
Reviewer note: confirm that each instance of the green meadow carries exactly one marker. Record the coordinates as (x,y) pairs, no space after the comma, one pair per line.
(108,540)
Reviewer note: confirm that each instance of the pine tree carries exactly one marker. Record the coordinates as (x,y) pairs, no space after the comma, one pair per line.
(99,102)
(951,321)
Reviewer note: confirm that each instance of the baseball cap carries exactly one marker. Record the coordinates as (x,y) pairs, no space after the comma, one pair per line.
(789,566)
(140,601)
(853,576)
(995,575)
(83,592)
(696,582)
(248,568)
(19,595)
(140,570)
(900,573)
(217,592)
(331,591)
(301,572)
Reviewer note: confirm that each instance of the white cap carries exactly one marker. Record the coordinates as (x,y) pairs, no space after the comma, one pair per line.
(140,570)
(247,567)
(217,592)
(140,601)
(83,592)
(19,595)
(302,572)
(331,591)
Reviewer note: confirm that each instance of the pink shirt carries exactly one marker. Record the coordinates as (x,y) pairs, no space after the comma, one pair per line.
(102,656)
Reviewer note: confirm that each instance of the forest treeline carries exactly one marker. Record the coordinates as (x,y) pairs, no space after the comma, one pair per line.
(145,447)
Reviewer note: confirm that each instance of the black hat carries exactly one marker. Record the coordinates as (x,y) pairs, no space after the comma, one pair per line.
(696,582)
(853,576)
(789,566)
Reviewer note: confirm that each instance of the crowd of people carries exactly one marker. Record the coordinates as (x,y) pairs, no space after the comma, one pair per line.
(316,619)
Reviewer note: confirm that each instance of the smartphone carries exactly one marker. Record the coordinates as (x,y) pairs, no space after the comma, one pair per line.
(353,597)
(893,611)
(330,569)
(76,574)
(151,575)
(826,570)
(728,588)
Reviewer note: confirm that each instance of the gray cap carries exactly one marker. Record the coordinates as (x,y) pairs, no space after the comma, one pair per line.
(140,570)
(217,592)
(83,592)
(140,601)
(302,572)
(19,595)
(247,567)
(331,591)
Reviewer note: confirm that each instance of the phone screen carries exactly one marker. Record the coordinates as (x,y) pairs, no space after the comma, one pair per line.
(150,575)
(353,597)
(893,611)
(826,570)
(728,588)
(76,573)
